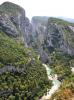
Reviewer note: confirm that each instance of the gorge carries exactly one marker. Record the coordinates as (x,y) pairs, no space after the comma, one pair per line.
(36,58)
(56,84)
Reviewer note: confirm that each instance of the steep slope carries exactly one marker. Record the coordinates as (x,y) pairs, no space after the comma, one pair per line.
(39,24)
(53,33)
(57,49)
(14,22)
(11,14)
(39,27)
(23,77)
(59,42)
(22,74)
(60,35)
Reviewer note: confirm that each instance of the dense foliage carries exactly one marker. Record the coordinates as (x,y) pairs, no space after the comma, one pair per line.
(61,65)
(27,78)
(66,91)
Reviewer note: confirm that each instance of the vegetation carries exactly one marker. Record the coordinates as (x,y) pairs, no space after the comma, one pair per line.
(8,8)
(28,84)
(66,91)
(61,65)
(22,75)
(59,21)
(60,33)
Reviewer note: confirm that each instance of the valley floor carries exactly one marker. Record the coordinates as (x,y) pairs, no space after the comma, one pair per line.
(55,82)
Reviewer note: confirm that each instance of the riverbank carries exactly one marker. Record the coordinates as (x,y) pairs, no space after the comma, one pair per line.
(55,84)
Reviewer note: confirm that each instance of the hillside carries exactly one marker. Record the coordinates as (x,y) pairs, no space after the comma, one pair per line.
(57,34)
(59,42)
(23,76)
(57,49)
(60,35)
(26,47)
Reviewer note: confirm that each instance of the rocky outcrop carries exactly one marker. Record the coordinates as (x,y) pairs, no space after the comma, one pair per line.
(12,17)
(13,21)
(43,33)
(6,93)
(28,31)
(39,27)
(7,26)
(53,34)
(44,58)
(60,35)
(12,69)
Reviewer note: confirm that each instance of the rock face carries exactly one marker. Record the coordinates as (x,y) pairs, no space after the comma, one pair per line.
(7,26)
(12,17)
(53,34)
(13,21)
(28,31)
(60,35)
(43,33)
(39,27)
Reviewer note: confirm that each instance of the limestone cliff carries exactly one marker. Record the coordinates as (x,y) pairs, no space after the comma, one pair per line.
(53,34)
(14,22)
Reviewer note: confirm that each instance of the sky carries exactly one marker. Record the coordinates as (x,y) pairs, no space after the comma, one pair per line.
(51,8)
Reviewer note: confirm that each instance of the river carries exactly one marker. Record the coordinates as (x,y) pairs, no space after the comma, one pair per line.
(56,83)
